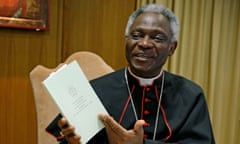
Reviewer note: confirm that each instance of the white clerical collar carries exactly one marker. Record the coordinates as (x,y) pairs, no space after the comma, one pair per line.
(145,81)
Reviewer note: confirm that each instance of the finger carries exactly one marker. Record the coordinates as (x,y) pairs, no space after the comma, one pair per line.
(138,127)
(102,117)
(69,131)
(109,121)
(70,136)
(62,123)
(112,125)
(74,140)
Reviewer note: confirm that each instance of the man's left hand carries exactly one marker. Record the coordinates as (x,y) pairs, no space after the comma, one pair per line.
(119,135)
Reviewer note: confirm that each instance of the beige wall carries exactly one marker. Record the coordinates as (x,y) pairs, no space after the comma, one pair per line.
(75,25)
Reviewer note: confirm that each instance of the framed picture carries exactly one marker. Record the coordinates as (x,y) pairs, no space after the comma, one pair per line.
(24,14)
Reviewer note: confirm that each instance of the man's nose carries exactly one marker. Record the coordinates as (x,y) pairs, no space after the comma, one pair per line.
(145,42)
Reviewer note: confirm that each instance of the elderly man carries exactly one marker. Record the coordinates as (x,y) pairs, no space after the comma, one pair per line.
(146,104)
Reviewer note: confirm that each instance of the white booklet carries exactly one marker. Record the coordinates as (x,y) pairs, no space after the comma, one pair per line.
(76,99)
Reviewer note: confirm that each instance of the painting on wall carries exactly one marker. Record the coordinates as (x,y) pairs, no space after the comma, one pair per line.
(25,14)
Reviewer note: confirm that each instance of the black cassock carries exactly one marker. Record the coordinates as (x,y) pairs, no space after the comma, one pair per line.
(183,114)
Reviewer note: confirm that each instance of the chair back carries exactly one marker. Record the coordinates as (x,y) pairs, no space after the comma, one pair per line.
(92,65)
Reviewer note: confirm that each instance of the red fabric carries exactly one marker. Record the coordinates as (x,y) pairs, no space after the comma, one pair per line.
(9,7)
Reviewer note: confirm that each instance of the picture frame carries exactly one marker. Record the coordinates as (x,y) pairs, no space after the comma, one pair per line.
(25,14)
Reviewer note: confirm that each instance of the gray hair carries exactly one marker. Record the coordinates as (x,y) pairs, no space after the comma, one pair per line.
(174,25)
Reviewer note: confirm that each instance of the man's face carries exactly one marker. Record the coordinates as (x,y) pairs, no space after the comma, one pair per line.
(149,44)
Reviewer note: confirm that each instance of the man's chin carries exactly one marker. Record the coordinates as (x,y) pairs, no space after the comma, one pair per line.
(142,66)
(140,69)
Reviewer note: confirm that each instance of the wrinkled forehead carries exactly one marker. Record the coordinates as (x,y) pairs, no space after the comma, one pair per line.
(151,20)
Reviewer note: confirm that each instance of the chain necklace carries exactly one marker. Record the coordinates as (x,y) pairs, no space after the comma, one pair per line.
(159,102)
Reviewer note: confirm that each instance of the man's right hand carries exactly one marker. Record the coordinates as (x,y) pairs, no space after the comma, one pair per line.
(68,132)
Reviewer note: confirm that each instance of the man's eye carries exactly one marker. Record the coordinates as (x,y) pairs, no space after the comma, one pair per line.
(136,36)
(159,39)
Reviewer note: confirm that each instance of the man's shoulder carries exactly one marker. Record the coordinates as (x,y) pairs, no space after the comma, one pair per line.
(183,82)
(113,76)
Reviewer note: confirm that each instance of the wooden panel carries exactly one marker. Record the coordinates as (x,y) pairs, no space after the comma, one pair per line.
(21,50)
(97,26)
(94,25)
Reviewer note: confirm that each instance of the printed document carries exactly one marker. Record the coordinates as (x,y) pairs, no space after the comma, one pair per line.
(76,99)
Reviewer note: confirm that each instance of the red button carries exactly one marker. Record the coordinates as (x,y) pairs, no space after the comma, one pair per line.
(145,136)
(146,112)
(146,124)
(148,88)
(147,100)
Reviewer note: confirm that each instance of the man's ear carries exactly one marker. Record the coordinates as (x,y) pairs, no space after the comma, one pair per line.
(172,48)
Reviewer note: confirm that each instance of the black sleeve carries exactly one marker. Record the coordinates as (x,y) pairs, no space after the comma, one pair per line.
(197,127)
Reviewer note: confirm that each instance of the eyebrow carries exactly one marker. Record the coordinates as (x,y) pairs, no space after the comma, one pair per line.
(155,31)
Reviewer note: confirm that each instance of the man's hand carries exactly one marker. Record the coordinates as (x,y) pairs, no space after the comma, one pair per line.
(68,132)
(119,135)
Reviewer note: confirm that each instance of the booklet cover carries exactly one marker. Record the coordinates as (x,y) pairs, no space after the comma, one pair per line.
(76,99)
